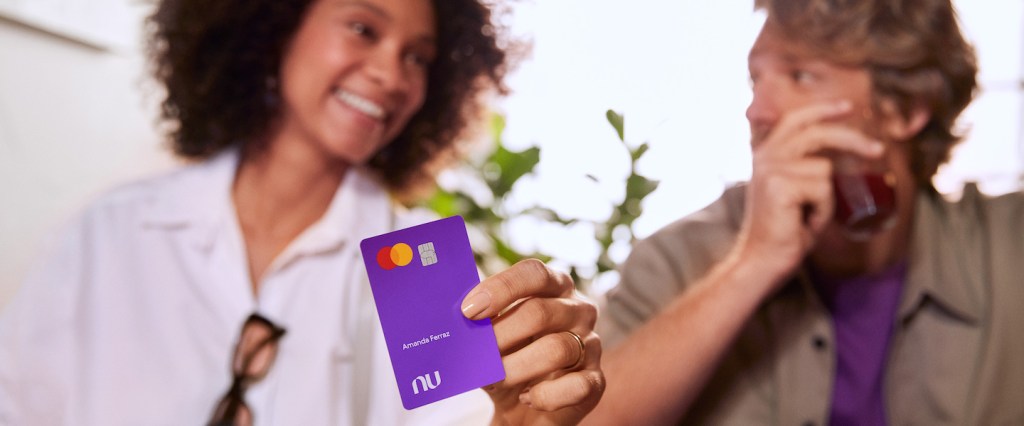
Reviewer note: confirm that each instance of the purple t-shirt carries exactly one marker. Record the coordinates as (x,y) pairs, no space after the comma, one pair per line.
(863,311)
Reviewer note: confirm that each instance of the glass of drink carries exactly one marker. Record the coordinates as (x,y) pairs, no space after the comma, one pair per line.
(865,196)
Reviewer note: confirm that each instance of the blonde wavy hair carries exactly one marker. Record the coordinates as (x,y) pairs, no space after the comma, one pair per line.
(913,49)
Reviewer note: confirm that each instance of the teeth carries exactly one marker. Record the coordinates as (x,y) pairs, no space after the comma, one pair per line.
(360,103)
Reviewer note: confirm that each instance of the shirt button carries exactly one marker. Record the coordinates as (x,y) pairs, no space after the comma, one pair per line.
(819,343)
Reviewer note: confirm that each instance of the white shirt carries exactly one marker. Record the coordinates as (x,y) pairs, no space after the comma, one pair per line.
(133,316)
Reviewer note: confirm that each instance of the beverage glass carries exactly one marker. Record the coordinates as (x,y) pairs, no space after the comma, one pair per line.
(865,196)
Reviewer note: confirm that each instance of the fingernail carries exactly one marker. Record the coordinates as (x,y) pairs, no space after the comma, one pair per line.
(842,105)
(475,304)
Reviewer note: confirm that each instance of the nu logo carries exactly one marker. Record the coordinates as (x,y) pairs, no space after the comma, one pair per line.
(426,382)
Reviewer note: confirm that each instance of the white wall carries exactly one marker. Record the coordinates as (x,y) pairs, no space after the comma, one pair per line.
(72,122)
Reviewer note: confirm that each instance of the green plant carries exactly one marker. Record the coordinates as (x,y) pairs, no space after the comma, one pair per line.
(499,171)
(486,213)
(630,208)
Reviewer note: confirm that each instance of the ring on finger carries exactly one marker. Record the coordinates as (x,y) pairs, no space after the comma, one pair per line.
(583,349)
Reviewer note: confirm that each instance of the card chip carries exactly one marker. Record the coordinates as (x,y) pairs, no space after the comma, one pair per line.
(427,254)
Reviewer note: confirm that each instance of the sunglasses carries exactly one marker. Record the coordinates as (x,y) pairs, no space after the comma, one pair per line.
(254,354)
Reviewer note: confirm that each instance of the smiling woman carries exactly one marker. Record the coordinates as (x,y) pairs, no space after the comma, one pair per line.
(354,75)
(304,120)
(239,97)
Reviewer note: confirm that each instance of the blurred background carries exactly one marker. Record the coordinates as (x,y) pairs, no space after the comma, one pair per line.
(78,114)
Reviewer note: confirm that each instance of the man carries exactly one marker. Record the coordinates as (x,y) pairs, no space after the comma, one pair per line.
(763,309)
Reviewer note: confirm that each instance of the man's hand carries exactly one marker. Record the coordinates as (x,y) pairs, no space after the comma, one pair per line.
(790,198)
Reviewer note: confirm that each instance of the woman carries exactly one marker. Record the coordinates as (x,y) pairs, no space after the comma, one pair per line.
(308,118)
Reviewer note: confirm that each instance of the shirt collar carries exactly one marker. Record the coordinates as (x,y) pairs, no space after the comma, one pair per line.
(946,257)
(361,207)
(197,200)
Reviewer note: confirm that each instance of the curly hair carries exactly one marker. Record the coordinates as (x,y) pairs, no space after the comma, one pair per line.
(219,62)
(913,50)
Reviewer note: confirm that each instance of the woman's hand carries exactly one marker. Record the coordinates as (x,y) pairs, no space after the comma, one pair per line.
(548,346)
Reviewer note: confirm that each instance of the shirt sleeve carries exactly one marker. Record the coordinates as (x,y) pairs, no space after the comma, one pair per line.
(663,265)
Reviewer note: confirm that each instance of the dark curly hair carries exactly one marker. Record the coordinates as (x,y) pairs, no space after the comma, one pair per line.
(913,50)
(219,61)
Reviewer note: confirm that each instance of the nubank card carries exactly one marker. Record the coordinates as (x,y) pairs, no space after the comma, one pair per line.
(419,277)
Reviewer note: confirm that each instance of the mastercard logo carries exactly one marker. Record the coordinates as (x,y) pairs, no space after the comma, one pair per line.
(397,255)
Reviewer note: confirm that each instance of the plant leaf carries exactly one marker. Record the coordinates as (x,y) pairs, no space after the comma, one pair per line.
(618,122)
(639,151)
(497,127)
(511,167)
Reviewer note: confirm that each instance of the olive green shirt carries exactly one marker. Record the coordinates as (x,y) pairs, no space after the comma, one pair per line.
(957,351)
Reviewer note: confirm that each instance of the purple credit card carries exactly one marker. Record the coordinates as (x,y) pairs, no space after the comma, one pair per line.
(419,276)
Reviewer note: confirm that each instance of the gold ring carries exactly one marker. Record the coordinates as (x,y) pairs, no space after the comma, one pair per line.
(583,349)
